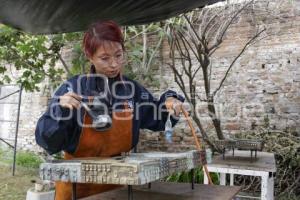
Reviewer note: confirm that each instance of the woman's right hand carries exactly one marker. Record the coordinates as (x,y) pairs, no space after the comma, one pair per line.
(70,100)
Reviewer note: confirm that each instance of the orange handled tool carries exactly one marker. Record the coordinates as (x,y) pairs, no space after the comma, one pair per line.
(198,145)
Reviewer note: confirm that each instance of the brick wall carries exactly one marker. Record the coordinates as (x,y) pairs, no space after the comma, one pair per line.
(263,84)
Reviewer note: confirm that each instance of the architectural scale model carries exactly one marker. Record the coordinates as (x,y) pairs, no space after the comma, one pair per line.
(240,144)
(134,169)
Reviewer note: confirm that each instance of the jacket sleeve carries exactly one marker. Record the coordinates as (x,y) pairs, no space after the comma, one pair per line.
(55,125)
(152,112)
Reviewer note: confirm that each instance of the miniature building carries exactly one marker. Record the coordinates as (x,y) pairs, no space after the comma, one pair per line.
(135,169)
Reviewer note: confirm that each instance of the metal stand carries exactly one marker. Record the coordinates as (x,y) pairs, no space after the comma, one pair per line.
(17,130)
(11,146)
(255,154)
(17,124)
(74,191)
(130,192)
(193,179)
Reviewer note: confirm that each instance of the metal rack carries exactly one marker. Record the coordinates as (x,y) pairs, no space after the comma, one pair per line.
(19,91)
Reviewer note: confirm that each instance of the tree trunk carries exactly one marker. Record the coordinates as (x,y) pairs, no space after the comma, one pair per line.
(203,132)
(214,118)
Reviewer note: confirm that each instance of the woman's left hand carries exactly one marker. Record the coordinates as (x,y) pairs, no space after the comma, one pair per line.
(173,105)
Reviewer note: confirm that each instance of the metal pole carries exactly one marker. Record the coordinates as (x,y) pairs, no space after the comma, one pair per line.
(17,130)
(11,146)
(74,192)
(193,178)
(10,94)
(130,192)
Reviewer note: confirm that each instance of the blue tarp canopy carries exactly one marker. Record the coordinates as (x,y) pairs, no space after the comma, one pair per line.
(58,16)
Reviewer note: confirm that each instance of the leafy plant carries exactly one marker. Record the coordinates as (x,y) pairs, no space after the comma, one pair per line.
(286,147)
(24,158)
(34,57)
(28,159)
(186,177)
(141,62)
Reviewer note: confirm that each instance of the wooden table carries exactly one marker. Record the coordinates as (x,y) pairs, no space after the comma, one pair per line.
(171,191)
(263,166)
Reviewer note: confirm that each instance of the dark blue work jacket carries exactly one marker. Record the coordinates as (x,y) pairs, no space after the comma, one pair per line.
(59,128)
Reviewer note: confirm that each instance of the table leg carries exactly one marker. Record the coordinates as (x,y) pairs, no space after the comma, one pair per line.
(74,191)
(130,192)
(193,179)
(265,194)
(222,179)
(270,188)
(205,181)
(231,179)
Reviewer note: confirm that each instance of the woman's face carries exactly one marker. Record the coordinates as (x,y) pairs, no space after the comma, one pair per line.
(108,59)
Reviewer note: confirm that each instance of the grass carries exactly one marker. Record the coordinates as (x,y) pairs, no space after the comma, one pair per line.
(24,158)
(15,187)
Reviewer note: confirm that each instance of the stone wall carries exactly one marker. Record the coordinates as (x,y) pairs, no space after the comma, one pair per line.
(32,107)
(262,88)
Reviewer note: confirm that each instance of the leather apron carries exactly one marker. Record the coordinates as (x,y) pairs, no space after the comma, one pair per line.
(93,143)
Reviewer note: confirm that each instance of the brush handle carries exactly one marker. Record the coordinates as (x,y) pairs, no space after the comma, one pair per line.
(84,105)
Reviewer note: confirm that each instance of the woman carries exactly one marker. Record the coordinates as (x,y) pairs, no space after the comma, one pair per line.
(67,126)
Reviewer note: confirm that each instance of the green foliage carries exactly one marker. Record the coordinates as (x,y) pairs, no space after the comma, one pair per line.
(186,177)
(24,158)
(141,65)
(25,52)
(79,61)
(15,187)
(73,41)
(33,56)
(6,155)
(28,159)
(286,147)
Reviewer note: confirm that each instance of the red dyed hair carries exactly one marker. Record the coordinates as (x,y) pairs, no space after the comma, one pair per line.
(99,32)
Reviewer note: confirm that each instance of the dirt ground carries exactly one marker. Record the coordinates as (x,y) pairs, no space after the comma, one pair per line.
(15,187)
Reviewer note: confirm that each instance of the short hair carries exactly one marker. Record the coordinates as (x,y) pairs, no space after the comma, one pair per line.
(99,32)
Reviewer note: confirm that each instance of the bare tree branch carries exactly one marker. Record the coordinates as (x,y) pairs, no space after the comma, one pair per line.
(156,49)
(196,72)
(226,26)
(183,55)
(64,64)
(208,24)
(200,99)
(177,75)
(191,26)
(179,81)
(249,43)
(185,41)
(144,63)
(204,15)
(209,75)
